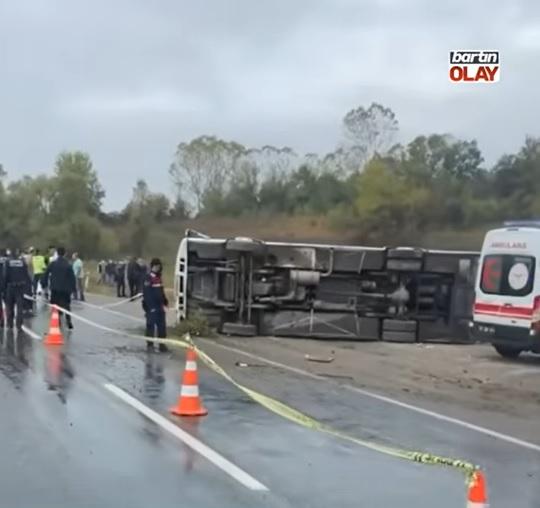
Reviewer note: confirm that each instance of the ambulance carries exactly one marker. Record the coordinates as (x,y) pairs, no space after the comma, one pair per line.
(506,309)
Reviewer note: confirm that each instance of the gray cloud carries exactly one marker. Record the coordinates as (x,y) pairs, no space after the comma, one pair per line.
(127,80)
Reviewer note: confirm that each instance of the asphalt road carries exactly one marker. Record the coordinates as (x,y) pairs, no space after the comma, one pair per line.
(68,441)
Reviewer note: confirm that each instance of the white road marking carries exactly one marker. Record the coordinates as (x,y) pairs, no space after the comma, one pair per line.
(215,458)
(389,400)
(31,332)
(433,414)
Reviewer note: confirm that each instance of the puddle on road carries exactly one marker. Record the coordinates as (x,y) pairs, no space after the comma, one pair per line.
(15,352)
(19,357)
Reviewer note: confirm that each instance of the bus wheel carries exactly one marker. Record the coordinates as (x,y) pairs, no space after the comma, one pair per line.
(507,351)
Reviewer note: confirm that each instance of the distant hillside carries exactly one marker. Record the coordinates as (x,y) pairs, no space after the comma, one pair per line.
(164,238)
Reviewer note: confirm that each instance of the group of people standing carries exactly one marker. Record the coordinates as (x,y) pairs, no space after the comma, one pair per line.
(37,264)
(23,275)
(128,273)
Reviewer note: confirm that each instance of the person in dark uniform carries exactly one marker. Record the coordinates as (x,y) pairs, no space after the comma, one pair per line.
(154,303)
(16,281)
(110,271)
(61,279)
(3,263)
(101,271)
(28,305)
(121,279)
(132,276)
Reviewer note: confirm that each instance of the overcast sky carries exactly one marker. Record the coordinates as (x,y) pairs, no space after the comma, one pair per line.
(126,80)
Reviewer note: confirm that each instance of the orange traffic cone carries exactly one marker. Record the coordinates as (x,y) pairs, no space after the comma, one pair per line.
(54,337)
(189,402)
(477,495)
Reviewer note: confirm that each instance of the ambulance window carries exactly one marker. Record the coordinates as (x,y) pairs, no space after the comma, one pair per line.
(508,275)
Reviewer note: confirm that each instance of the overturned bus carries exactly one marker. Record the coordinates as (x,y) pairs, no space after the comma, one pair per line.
(249,287)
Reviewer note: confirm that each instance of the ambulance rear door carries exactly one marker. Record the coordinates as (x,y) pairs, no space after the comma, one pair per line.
(506,279)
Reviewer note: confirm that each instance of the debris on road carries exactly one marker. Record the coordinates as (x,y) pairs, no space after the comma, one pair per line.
(319,359)
(244,364)
(336,376)
(470,379)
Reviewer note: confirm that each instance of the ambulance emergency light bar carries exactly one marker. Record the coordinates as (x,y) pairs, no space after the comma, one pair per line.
(522,223)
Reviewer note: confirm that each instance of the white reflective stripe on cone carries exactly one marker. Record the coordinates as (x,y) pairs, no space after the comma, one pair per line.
(471,504)
(191,365)
(54,330)
(189,391)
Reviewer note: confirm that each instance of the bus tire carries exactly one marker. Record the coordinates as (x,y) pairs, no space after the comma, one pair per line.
(507,351)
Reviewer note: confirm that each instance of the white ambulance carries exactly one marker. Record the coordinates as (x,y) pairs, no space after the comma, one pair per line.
(507,294)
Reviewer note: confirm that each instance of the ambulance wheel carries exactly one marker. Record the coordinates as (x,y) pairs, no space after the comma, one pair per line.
(507,351)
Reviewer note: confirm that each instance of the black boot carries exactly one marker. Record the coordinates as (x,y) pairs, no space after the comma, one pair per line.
(163,348)
(149,345)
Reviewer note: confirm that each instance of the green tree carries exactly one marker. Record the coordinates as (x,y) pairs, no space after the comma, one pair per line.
(441,155)
(109,244)
(179,209)
(76,187)
(26,214)
(154,206)
(205,166)
(83,234)
(329,192)
(516,181)
(367,132)
(450,168)
(272,161)
(303,184)
(143,212)
(242,196)
(345,161)
(275,195)
(388,205)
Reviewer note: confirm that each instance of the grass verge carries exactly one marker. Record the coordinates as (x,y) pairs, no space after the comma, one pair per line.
(196,325)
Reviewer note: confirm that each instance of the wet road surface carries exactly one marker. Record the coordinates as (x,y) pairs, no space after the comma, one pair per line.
(66,441)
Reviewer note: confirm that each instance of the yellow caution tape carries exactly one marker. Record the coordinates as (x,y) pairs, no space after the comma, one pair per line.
(170,342)
(290,413)
(307,421)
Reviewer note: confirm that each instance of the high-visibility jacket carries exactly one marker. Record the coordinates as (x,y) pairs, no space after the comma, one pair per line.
(39,265)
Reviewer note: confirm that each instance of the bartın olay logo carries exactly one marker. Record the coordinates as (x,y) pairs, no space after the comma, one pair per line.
(474,66)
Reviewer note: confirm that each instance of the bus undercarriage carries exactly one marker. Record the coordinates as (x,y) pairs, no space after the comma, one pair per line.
(249,287)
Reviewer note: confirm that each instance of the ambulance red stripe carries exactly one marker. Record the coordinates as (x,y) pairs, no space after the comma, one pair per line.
(502,310)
